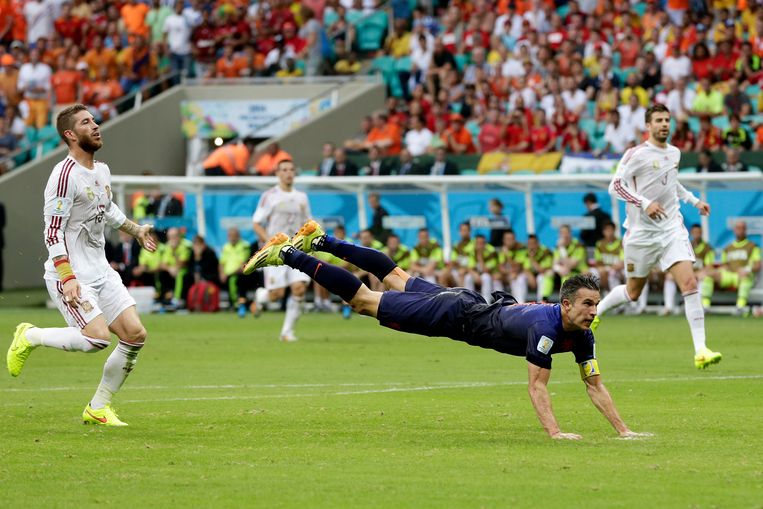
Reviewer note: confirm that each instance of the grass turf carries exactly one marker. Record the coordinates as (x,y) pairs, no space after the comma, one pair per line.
(353,415)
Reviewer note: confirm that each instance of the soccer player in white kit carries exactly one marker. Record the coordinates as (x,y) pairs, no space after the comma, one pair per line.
(647,180)
(87,291)
(283,209)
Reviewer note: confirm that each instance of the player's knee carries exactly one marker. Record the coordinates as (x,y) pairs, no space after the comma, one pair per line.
(97,332)
(298,291)
(135,335)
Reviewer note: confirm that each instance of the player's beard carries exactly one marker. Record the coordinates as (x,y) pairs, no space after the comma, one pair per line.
(659,137)
(90,144)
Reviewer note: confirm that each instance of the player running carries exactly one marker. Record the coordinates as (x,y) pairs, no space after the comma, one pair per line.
(534,331)
(283,208)
(647,180)
(87,291)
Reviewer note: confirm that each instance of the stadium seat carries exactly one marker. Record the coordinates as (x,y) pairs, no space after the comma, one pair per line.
(588,126)
(721,122)
(640,9)
(688,169)
(49,138)
(403,64)
(694,124)
(755,169)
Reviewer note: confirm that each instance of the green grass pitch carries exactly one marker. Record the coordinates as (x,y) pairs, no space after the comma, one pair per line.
(353,415)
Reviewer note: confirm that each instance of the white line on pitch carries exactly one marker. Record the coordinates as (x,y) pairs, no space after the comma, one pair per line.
(402,385)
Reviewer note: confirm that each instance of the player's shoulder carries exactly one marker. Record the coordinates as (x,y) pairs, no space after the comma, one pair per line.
(61,176)
(100,165)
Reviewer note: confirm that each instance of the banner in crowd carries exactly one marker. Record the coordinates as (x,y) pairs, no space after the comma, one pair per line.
(588,164)
(262,118)
(505,162)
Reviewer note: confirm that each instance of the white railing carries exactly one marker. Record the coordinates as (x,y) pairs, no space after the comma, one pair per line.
(527,184)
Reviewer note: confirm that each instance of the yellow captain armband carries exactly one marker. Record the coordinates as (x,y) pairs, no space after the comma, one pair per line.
(64,269)
(589,368)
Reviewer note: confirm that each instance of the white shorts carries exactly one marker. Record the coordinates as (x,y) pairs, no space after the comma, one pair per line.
(282,276)
(644,251)
(108,297)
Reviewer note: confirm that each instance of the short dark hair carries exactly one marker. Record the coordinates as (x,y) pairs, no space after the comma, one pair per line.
(65,119)
(532,236)
(278,165)
(655,108)
(590,198)
(424,229)
(696,225)
(608,223)
(571,286)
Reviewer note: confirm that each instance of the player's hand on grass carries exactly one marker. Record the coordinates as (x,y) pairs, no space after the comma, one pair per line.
(703,207)
(145,239)
(634,435)
(72,292)
(565,436)
(655,211)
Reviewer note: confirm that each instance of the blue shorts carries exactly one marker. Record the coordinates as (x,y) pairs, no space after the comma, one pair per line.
(428,309)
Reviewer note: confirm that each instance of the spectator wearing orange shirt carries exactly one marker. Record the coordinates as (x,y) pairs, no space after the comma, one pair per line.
(101,93)
(228,65)
(384,134)
(66,83)
(457,139)
(9,78)
(230,159)
(139,64)
(267,162)
(134,17)
(99,56)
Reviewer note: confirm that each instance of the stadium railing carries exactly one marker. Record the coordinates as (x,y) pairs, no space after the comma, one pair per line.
(359,186)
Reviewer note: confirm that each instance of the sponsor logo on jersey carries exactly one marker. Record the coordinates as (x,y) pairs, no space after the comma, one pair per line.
(545,344)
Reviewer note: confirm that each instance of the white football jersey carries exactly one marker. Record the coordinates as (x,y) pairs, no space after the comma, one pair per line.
(648,173)
(282,211)
(78,206)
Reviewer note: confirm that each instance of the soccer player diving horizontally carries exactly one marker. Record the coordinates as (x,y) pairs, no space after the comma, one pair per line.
(411,304)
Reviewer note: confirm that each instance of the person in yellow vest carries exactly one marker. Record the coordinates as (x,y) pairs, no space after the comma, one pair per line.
(609,257)
(426,257)
(539,260)
(704,258)
(234,255)
(740,265)
(367,239)
(147,270)
(483,269)
(322,297)
(398,252)
(174,277)
(569,259)
(456,271)
(512,259)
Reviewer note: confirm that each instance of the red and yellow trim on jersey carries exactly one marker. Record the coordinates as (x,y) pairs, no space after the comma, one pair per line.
(589,368)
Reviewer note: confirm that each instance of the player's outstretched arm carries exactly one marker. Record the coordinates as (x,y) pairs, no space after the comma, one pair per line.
(141,232)
(538,388)
(602,400)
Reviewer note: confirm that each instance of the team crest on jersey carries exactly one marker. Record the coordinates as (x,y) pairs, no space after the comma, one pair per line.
(86,306)
(545,344)
(656,165)
(90,193)
(630,267)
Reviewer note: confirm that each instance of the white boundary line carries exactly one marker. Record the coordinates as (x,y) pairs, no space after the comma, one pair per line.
(396,387)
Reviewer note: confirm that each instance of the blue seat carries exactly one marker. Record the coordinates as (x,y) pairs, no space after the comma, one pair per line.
(49,138)
(688,169)
(462,60)
(403,64)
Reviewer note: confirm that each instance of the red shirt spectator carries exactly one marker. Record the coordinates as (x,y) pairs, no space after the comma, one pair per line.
(491,133)
(69,26)
(290,38)
(701,62)
(517,134)
(204,43)
(709,136)
(574,140)
(725,60)
(629,49)
(542,135)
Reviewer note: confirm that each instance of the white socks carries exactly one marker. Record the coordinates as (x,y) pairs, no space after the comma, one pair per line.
(486,287)
(617,297)
(65,338)
(293,310)
(519,288)
(695,315)
(669,294)
(469,281)
(119,364)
